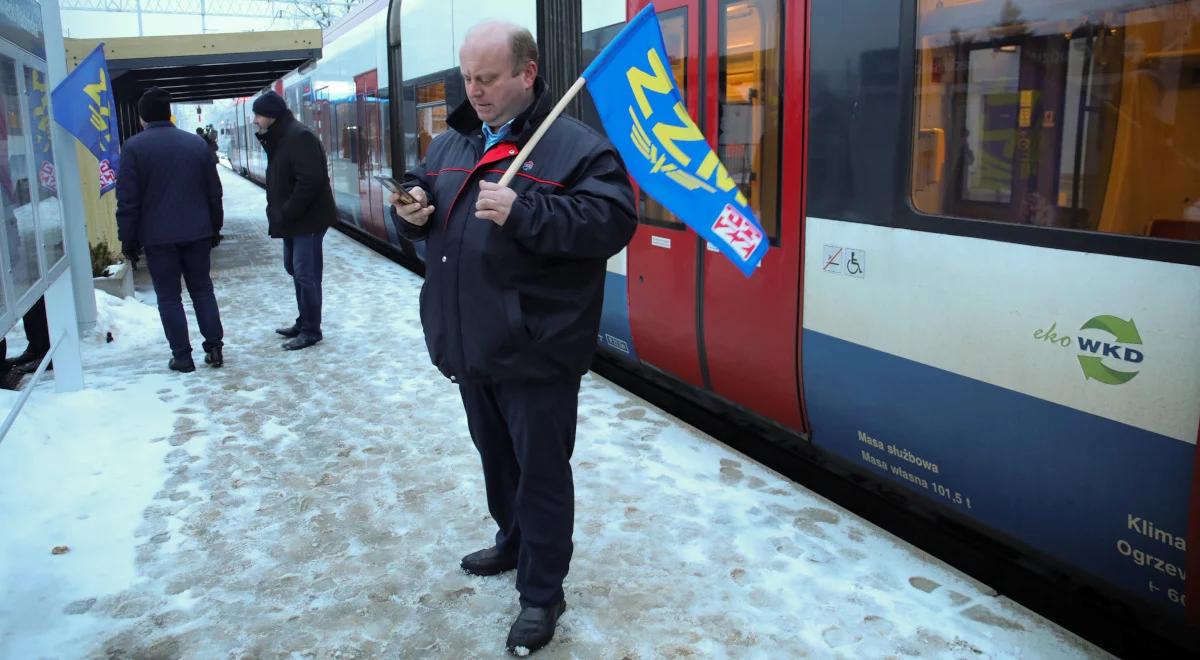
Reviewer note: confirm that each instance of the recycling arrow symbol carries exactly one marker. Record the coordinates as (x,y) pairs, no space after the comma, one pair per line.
(1125,332)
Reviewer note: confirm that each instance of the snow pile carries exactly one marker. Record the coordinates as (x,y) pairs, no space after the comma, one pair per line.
(77,470)
(133,325)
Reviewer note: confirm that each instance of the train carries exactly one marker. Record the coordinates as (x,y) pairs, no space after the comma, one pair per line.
(982,289)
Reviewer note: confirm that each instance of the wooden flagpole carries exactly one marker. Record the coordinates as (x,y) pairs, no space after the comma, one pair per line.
(537,135)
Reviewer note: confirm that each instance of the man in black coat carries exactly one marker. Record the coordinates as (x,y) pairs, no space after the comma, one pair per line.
(300,209)
(208,139)
(514,286)
(169,202)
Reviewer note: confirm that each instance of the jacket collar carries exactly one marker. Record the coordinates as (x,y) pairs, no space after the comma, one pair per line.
(165,123)
(270,139)
(465,121)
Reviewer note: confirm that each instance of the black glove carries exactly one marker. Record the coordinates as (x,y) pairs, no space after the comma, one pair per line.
(216,239)
(132,251)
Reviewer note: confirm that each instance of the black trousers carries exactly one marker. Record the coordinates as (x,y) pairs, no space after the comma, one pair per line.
(191,261)
(525,434)
(37,328)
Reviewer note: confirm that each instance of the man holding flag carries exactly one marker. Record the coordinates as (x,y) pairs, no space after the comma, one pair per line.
(512,297)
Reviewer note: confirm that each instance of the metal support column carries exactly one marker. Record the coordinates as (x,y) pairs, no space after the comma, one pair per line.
(64,329)
(75,238)
(560,40)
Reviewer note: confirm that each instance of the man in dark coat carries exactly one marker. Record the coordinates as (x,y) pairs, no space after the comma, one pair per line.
(514,287)
(169,202)
(208,139)
(300,209)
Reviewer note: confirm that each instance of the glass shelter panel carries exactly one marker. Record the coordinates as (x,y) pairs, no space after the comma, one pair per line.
(20,226)
(48,206)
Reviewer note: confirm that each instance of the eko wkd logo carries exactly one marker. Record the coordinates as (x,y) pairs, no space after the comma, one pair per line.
(1106,351)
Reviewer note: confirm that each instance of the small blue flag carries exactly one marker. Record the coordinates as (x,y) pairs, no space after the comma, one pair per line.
(83,104)
(638,101)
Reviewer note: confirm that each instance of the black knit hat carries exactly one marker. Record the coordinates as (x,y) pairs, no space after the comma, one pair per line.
(155,105)
(270,105)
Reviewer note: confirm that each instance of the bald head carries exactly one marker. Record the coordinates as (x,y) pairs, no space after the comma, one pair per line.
(497,35)
(498,61)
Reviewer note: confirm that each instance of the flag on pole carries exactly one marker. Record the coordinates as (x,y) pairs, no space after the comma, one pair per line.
(666,153)
(83,104)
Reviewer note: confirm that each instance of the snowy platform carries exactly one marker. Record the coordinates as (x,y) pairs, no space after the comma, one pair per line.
(314,504)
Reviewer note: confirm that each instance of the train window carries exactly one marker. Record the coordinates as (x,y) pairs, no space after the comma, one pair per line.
(748,143)
(1070,115)
(431,114)
(674,23)
(420,30)
(602,20)
(424,27)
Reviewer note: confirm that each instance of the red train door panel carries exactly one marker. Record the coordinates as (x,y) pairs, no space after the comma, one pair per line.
(369,148)
(751,325)
(662,257)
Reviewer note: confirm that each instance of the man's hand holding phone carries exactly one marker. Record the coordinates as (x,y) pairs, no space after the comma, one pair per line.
(411,205)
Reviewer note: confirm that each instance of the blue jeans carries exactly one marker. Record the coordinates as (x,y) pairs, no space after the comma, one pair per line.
(302,258)
(191,261)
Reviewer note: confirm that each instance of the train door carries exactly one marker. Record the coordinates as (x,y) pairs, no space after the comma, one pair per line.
(750,326)
(693,313)
(370,193)
(663,256)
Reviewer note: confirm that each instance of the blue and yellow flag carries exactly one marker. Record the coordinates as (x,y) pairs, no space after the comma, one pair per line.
(83,104)
(664,150)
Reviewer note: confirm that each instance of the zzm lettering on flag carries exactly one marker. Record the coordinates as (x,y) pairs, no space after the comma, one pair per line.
(100,115)
(670,133)
(664,149)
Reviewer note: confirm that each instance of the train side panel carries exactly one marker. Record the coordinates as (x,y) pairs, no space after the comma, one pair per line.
(990,321)
(959,369)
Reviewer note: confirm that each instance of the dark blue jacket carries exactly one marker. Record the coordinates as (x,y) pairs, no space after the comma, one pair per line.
(168,190)
(523,301)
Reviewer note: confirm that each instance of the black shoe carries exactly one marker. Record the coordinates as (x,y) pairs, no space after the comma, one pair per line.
(534,628)
(300,342)
(10,378)
(290,331)
(488,561)
(29,366)
(214,358)
(182,365)
(25,356)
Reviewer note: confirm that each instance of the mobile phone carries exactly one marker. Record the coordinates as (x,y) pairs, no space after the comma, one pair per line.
(394,186)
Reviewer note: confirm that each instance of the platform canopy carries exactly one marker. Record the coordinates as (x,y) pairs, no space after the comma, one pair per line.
(196,68)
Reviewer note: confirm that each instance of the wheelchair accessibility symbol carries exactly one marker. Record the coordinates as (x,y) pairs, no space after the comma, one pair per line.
(839,260)
(856,263)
